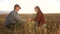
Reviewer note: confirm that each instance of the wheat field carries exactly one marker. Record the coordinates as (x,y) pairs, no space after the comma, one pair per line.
(52,21)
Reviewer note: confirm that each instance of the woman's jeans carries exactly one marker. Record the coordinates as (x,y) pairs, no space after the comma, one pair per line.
(40,29)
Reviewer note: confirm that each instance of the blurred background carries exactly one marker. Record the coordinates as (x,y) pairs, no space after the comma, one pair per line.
(50,9)
(46,6)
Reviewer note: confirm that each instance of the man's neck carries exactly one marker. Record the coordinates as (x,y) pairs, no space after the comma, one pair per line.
(15,10)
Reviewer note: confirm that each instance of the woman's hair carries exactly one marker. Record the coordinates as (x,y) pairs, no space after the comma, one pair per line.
(38,8)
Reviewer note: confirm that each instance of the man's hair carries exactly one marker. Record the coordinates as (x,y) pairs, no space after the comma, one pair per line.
(16,5)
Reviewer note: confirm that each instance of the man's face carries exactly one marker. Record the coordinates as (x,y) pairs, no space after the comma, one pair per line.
(17,8)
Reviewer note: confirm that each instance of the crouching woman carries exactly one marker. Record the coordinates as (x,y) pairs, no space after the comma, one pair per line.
(39,20)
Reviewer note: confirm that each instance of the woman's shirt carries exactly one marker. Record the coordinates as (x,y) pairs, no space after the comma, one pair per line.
(40,18)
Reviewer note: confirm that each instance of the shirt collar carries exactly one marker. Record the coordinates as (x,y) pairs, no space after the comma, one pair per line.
(15,11)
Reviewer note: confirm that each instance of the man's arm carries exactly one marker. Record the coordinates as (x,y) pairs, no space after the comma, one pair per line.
(18,18)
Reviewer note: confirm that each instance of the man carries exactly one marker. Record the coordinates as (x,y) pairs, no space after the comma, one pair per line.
(13,18)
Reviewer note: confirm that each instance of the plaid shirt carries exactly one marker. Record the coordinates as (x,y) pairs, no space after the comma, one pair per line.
(40,18)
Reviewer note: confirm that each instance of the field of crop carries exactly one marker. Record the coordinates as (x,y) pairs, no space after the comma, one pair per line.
(52,21)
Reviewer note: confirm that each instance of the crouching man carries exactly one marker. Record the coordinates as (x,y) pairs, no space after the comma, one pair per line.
(13,18)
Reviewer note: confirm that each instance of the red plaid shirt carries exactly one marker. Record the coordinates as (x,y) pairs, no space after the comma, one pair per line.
(40,18)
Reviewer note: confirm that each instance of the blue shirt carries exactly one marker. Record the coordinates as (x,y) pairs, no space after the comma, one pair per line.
(13,17)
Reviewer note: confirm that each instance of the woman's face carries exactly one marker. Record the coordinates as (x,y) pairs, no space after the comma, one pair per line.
(36,10)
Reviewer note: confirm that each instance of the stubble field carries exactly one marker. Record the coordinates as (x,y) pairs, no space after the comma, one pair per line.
(52,21)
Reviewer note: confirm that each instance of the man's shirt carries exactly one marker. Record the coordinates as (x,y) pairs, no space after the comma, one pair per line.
(13,17)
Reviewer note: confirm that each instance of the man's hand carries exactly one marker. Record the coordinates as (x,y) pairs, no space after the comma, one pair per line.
(29,19)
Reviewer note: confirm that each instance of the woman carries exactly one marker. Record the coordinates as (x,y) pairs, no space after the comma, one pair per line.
(39,19)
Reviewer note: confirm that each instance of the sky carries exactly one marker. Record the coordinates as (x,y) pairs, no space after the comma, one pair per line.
(46,6)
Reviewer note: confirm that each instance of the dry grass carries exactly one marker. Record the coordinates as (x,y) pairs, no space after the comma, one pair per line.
(52,20)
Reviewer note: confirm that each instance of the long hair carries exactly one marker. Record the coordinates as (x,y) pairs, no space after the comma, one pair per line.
(38,8)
